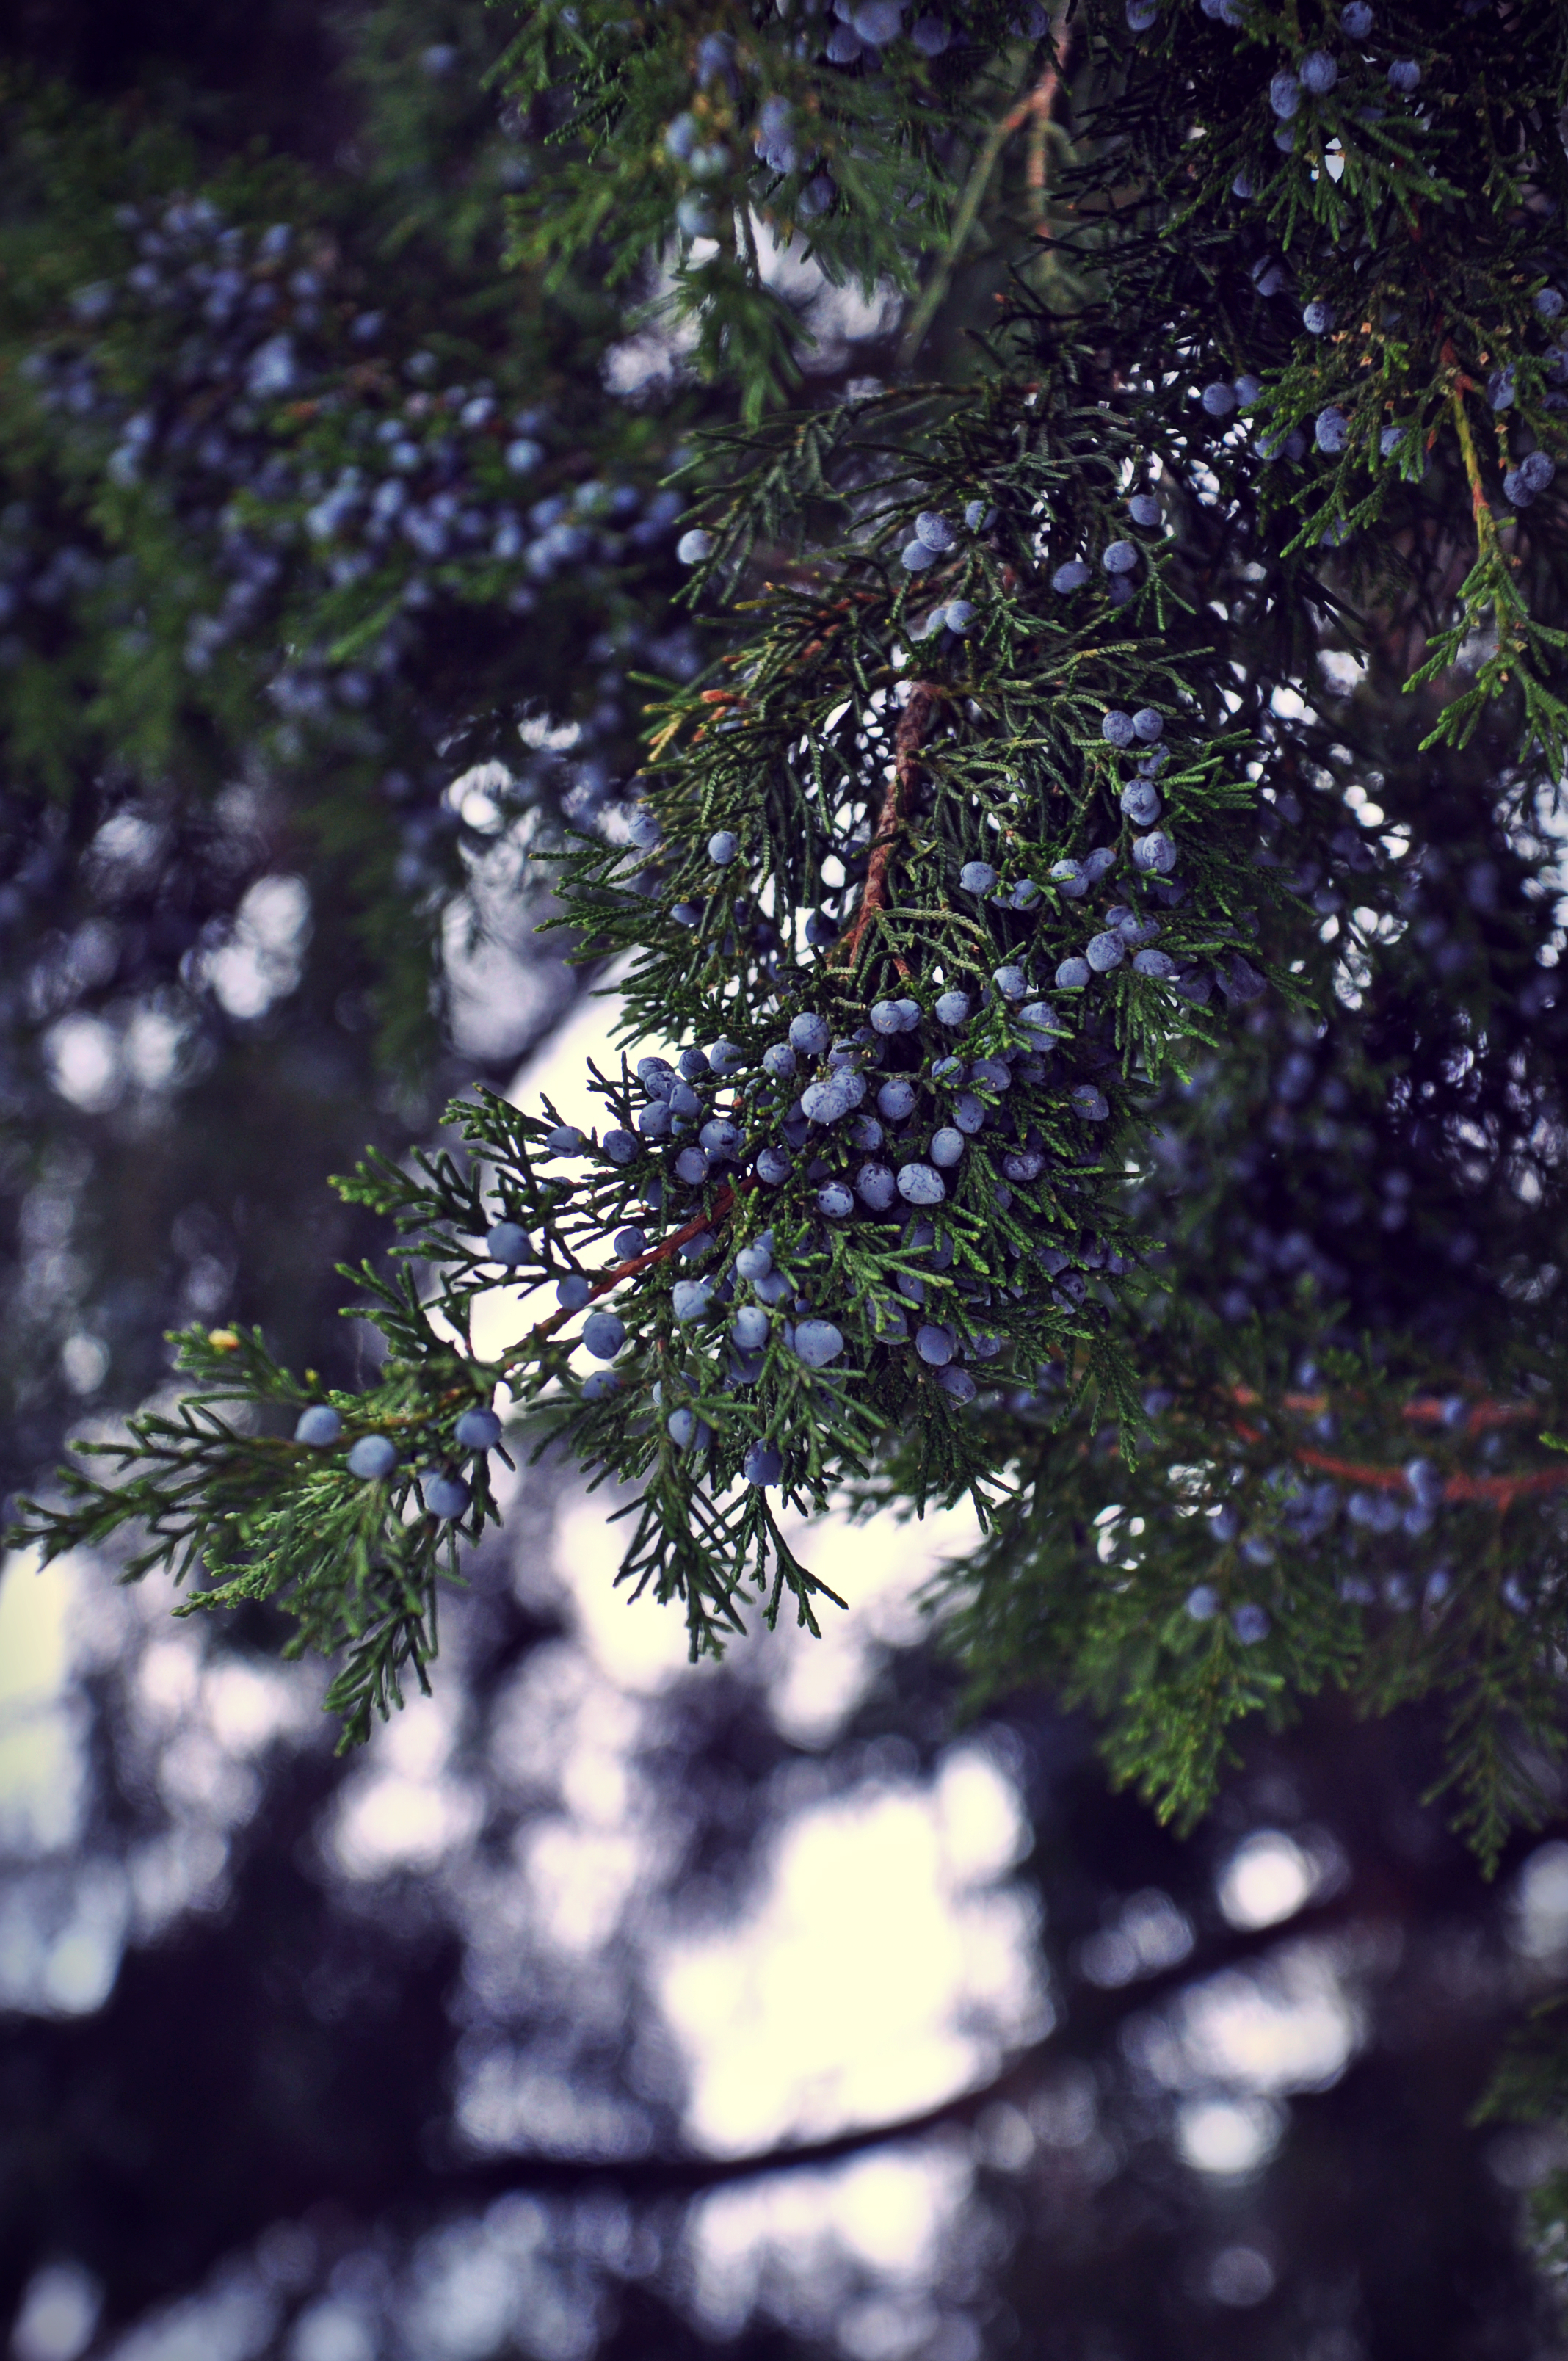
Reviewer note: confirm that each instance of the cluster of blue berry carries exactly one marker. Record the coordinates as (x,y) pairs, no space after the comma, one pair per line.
(861,30)
(319,470)
(1120,560)
(1150,849)
(374,1457)
(805,1136)
(1314,77)
(836,1185)
(1336,85)
(1525,483)
(907,1146)
(1404,445)
(1287,1505)
(1304,1512)
(786,135)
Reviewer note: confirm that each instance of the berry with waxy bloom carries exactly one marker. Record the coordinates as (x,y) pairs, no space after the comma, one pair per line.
(445,1496)
(479,1430)
(921,1185)
(372,1457)
(604,1334)
(817,1342)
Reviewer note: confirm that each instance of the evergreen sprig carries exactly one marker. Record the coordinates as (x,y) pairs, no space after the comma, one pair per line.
(257,1516)
(1087,941)
(712,136)
(267,510)
(1269,1537)
(1007,763)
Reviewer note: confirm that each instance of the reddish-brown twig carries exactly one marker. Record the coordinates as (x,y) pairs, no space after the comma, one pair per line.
(1038,106)
(1499,1492)
(723,1207)
(1427,1410)
(913,725)
(1034,108)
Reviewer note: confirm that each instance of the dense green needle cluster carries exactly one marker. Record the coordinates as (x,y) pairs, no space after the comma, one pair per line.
(1074,837)
(269,513)
(718,136)
(1085,940)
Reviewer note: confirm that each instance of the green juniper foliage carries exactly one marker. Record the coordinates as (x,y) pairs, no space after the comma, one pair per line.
(1086,939)
(221,924)
(286,495)
(716,134)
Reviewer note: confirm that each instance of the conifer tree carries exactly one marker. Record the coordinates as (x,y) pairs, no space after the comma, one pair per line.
(305,510)
(1086,936)
(282,482)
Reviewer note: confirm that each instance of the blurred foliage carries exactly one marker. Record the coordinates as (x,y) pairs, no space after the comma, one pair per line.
(278,563)
(318,498)
(1274,625)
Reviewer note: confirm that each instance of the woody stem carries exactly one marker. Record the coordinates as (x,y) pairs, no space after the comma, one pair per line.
(723,1207)
(913,725)
(1034,106)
